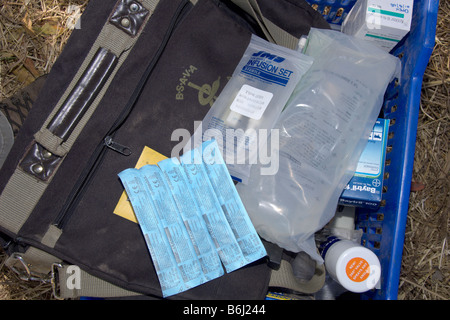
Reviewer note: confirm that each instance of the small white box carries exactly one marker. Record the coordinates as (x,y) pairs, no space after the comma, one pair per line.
(384,22)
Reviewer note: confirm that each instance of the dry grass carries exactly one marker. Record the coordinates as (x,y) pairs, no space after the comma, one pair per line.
(33,33)
(425,267)
(13,288)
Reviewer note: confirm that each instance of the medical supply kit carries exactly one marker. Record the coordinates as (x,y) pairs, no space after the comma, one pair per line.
(198,150)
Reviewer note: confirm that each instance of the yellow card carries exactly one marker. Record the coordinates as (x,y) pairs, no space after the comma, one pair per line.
(124,208)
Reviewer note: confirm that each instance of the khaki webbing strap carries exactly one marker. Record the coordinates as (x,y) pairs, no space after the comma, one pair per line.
(52,142)
(273,32)
(18,200)
(75,283)
(22,192)
(40,262)
(280,36)
(33,264)
(51,236)
(119,43)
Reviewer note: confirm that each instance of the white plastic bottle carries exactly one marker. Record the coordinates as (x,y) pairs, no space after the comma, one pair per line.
(353,266)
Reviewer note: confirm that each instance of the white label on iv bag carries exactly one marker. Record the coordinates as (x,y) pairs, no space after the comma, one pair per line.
(251,102)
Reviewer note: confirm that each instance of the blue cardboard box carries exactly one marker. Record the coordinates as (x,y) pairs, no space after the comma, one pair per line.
(365,189)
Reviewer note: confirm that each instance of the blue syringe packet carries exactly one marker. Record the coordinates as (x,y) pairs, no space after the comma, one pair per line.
(157,242)
(217,223)
(231,203)
(174,228)
(192,218)
(191,226)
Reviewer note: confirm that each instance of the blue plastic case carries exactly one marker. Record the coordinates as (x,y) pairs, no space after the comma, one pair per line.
(384,229)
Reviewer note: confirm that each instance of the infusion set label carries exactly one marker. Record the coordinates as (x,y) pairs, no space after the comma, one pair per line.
(251,102)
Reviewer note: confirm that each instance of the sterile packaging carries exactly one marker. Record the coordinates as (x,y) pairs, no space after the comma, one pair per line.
(365,189)
(231,203)
(176,263)
(191,215)
(191,226)
(242,116)
(221,222)
(383,22)
(322,133)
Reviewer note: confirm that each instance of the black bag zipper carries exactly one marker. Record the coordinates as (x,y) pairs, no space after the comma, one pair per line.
(108,141)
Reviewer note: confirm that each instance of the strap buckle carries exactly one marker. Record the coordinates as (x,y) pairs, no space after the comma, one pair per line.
(54,280)
(17,264)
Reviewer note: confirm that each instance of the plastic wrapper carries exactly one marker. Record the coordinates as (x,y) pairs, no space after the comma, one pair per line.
(242,116)
(322,133)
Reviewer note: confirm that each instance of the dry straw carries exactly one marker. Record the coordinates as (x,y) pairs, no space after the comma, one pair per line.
(34,32)
(32,35)
(425,270)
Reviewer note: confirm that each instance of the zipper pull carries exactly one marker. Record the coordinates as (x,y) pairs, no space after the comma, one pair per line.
(110,143)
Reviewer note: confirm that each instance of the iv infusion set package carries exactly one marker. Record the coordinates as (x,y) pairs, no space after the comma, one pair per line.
(322,132)
(241,118)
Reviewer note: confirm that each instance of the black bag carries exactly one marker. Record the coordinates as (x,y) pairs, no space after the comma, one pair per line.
(132,74)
